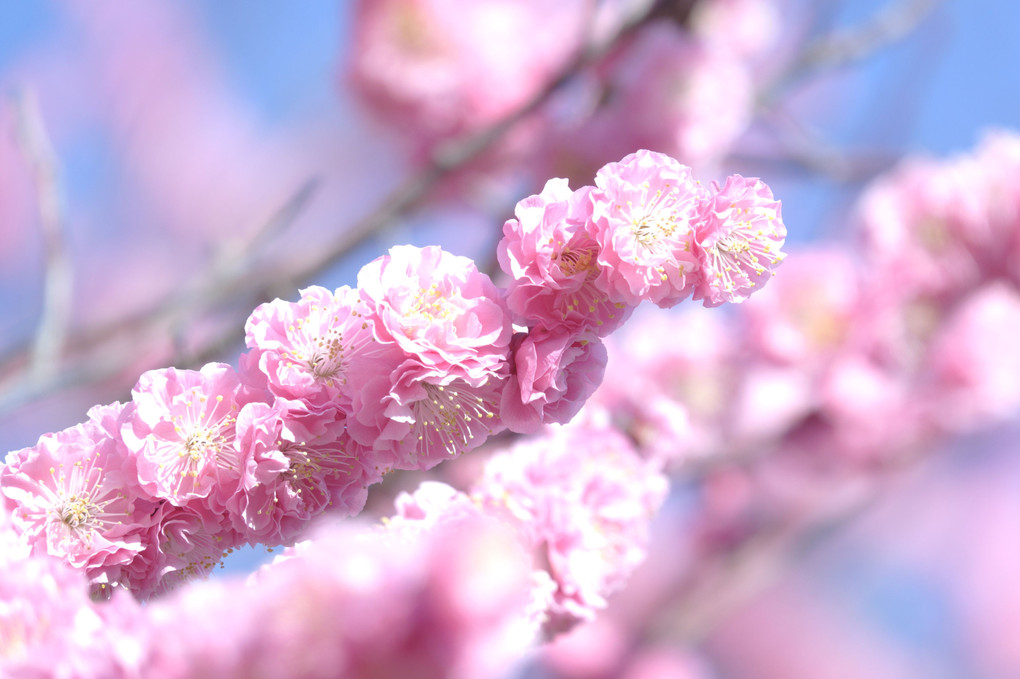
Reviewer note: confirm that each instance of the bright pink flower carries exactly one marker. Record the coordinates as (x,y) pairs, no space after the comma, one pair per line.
(444,314)
(432,420)
(182,432)
(583,498)
(292,476)
(316,350)
(453,329)
(554,372)
(75,496)
(644,214)
(738,241)
(553,262)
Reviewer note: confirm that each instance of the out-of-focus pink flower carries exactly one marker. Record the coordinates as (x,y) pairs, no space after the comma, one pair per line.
(438,68)
(447,605)
(671,397)
(643,219)
(75,496)
(974,361)
(583,498)
(553,375)
(746,28)
(926,229)
(738,241)
(553,263)
(813,311)
(677,95)
(50,628)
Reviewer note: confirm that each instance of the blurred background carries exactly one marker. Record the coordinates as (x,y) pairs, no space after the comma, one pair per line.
(167,166)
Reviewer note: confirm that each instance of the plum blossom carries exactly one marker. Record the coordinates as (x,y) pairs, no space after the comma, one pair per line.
(644,216)
(291,475)
(316,351)
(583,499)
(450,604)
(554,373)
(50,628)
(181,430)
(453,329)
(74,496)
(738,241)
(553,263)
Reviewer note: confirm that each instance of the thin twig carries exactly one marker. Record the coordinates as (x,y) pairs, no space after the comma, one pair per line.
(34,142)
(840,48)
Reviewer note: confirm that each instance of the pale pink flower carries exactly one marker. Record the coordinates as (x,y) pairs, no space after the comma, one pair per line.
(437,68)
(673,396)
(75,496)
(738,241)
(50,628)
(644,216)
(972,369)
(181,430)
(553,373)
(444,605)
(746,28)
(678,95)
(553,263)
(926,229)
(813,311)
(584,499)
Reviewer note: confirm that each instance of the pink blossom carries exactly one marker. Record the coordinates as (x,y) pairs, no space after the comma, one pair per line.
(645,209)
(672,398)
(678,95)
(437,68)
(314,350)
(50,628)
(815,310)
(974,363)
(584,499)
(746,28)
(738,241)
(553,374)
(292,476)
(925,228)
(181,430)
(450,606)
(553,263)
(434,419)
(453,328)
(440,311)
(75,496)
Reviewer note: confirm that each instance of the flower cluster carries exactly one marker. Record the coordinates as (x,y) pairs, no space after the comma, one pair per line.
(423,361)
